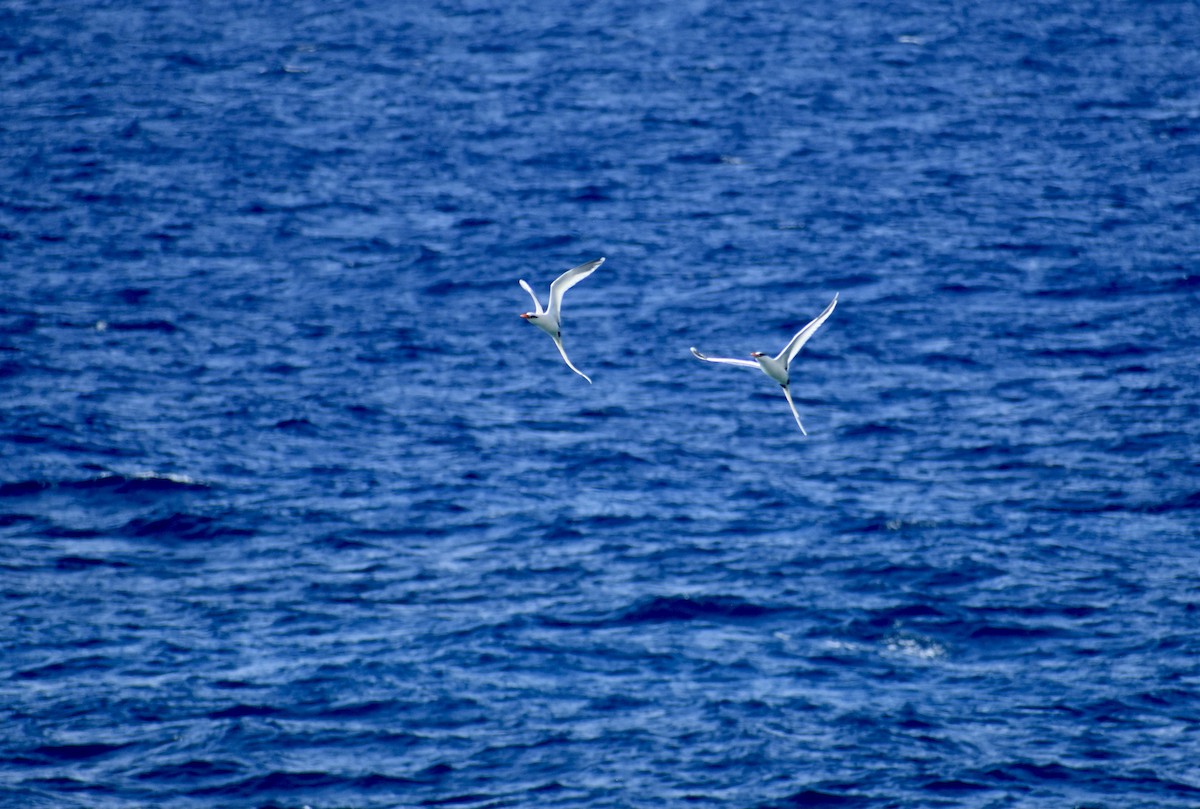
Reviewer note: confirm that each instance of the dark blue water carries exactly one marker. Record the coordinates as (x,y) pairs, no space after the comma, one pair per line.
(296,511)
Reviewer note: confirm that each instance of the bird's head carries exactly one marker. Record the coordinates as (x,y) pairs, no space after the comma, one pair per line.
(757,354)
(529,315)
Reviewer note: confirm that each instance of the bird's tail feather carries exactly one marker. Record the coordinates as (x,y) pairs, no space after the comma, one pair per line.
(558,342)
(792,405)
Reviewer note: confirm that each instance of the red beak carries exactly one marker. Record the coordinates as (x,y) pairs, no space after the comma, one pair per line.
(526,316)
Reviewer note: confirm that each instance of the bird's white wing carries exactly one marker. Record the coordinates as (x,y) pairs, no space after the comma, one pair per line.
(724,360)
(558,342)
(797,342)
(792,405)
(537,305)
(567,280)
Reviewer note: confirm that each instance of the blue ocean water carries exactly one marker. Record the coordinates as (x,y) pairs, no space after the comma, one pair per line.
(296,511)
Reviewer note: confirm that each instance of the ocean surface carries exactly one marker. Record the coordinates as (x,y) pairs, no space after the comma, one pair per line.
(295,510)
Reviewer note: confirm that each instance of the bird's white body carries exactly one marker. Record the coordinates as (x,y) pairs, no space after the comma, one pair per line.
(549,319)
(772,368)
(779,366)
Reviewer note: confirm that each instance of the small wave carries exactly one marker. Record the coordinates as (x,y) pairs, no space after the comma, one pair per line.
(589,193)
(14,518)
(17,323)
(1186,282)
(132,295)
(957,288)
(184,526)
(906,611)
(668,608)
(189,770)
(1183,502)
(85,563)
(1106,352)
(138,483)
(142,483)
(445,287)
(67,668)
(292,781)
(915,647)
(954,785)
(273,782)
(610,411)
(1187,502)
(685,608)
(458,800)
(282,368)
(874,428)
(426,255)
(1035,249)
(814,797)
(76,752)
(23,488)
(358,709)
(22,438)
(298,426)
(164,326)
(943,359)
(618,459)
(704,158)
(546,242)
(1025,772)
(240,711)
(1000,632)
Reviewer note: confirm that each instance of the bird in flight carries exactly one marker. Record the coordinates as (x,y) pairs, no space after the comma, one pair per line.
(549,319)
(778,367)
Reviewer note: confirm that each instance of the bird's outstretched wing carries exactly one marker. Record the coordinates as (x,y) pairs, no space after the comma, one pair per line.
(537,305)
(558,342)
(567,280)
(797,342)
(724,360)
(792,405)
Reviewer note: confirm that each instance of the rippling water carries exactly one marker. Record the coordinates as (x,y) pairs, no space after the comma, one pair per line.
(296,511)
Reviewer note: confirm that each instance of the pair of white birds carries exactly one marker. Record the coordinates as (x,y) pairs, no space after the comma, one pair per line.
(549,320)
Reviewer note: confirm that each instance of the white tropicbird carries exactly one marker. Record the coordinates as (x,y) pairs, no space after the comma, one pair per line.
(549,319)
(777,367)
